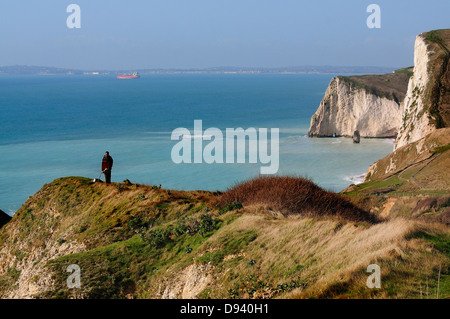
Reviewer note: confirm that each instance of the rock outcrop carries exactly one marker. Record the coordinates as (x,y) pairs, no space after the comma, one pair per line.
(427,102)
(371,104)
(356,137)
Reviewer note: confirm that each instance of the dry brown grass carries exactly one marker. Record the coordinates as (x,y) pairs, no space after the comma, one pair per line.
(295,196)
(406,263)
(392,85)
(330,256)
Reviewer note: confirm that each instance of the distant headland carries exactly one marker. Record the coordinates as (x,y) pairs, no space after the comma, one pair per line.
(44,70)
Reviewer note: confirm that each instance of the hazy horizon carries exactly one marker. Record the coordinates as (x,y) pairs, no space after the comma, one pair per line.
(202,34)
(222,67)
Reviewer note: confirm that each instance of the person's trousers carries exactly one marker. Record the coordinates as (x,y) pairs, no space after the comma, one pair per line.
(107,176)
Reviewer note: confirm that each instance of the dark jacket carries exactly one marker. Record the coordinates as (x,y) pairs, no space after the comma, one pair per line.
(107,163)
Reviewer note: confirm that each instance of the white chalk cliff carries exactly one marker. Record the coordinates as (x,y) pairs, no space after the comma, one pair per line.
(347,107)
(425,124)
(426,100)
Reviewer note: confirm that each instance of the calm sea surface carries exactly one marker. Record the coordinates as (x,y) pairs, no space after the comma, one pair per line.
(54,126)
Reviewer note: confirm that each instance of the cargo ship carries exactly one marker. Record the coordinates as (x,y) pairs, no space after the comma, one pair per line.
(135,75)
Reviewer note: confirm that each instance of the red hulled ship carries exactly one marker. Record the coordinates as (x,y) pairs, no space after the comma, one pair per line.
(135,75)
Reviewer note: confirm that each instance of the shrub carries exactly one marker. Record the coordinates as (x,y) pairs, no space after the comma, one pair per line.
(229,206)
(294,196)
(137,224)
(140,197)
(203,225)
(157,238)
(207,224)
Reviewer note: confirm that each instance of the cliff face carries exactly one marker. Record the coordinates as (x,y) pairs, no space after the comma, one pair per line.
(371,104)
(427,102)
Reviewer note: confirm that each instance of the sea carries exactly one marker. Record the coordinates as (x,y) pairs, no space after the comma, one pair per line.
(55,126)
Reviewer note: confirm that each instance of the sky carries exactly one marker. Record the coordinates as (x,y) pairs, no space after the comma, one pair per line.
(184,34)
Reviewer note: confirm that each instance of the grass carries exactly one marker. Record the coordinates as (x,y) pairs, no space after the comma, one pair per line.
(393,181)
(441,149)
(408,71)
(408,267)
(440,243)
(116,270)
(150,243)
(392,86)
(231,244)
(433,36)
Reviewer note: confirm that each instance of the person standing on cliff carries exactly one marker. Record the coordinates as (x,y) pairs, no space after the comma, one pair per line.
(107,164)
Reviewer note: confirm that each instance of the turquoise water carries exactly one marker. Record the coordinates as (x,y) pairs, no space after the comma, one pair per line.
(60,126)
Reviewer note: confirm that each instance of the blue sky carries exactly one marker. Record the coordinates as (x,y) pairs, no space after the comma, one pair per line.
(206,33)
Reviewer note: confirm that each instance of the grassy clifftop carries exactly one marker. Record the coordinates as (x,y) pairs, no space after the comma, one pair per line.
(392,86)
(136,241)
